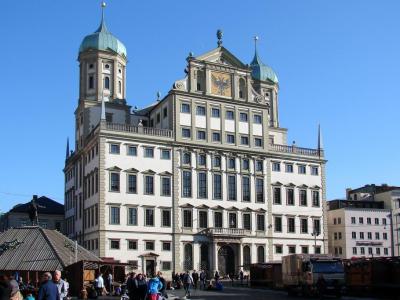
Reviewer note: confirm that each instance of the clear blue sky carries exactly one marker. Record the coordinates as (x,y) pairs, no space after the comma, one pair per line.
(337,62)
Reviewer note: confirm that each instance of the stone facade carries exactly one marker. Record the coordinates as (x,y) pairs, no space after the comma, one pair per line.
(202,178)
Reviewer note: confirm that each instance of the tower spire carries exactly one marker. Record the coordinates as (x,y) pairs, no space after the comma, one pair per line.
(67,150)
(102,27)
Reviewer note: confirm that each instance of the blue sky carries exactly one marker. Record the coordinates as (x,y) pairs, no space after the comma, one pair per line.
(337,62)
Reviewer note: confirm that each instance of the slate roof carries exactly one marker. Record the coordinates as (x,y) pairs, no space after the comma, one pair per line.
(51,207)
(38,249)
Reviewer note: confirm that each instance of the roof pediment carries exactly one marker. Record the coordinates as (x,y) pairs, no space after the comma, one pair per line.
(221,55)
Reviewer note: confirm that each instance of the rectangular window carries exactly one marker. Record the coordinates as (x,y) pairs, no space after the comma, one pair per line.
(314,170)
(232,218)
(200,111)
(290,196)
(149,152)
(217,186)
(187,184)
(245,165)
(361,220)
(385,251)
(91,82)
(165,154)
(114,182)
(369,235)
(378,251)
(132,183)
(218,219)
(149,185)
(165,112)
(291,225)
(247,221)
(201,135)
(132,245)
(114,215)
(277,195)
(203,219)
(315,198)
(186,158)
(186,133)
(383,221)
(354,250)
(362,250)
(369,221)
(166,265)
(257,142)
(302,169)
(361,235)
(276,166)
(243,117)
(166,218)
(244,140)
(165,186)
(303,225)
(353,220)
(231,163)
(187,218)
(230,138)
(149,245)
(202,160)
(149,217)
(245,189)
(114,148)
(278,249)
(132,216)
(132,150)
(303,197)
(292,249)
(278,224)
(317,226)
(158,118)
(232,187)
(114,244)
(259,166)
(257,119)
(202,185)
(216,137)
(384,235)
(261,222)
(217,161)
(289,168)
(370,251)
(166,246)
(376,221)
(259,190)
(185,108)
(230,115)
(377,237)
(353,235)
(304,249)
(215,112)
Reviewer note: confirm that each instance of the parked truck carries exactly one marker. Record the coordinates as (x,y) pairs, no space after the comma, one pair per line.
(313,274)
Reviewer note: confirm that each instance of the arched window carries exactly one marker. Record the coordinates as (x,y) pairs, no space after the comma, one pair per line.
(260,254)
(119,86)
(242,88)
(188,257)
(107,83)
(200,80)
(246,258)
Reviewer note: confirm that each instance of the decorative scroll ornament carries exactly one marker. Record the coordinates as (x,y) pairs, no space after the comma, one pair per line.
(180,85)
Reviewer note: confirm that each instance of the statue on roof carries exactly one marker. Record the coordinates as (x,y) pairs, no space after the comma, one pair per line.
(33,211)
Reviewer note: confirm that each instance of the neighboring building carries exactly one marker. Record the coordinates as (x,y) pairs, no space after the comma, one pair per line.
(202,178)
(50,212)
(358,228)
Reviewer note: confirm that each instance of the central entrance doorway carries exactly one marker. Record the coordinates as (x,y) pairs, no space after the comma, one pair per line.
(150,268)
(226,260)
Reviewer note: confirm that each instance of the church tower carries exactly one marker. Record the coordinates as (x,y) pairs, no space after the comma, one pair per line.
(102,77)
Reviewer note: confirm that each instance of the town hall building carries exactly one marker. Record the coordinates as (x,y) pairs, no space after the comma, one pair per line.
(201,179)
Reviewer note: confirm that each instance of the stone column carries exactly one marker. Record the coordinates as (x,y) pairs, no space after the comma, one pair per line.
(240,256)
(196,256)
(215,256)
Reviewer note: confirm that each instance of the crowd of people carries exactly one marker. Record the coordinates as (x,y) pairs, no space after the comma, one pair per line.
(51,287)
(138,287)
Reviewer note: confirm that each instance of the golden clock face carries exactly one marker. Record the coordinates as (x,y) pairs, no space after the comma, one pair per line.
(221,84)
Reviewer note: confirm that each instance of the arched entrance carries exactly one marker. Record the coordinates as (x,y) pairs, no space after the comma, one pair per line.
(204,258)
(226,260)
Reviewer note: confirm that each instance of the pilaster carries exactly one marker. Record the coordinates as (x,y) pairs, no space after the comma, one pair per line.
(176,231)
(102,196)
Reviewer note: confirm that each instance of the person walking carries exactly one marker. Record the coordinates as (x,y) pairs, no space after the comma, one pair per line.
(187,283)
(48,289)
(62,285)
(142,287)
(203,279)
(241,276)
(99,283)
(132,286)
(195,277)
(163,290)
(154,287)
(110,283)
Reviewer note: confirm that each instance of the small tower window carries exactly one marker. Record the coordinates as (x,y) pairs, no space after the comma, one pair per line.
(91,66)
(91,82)
(242,88)
(200,80)
(119,71)
(119,86)
(107,83)
(107,66)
